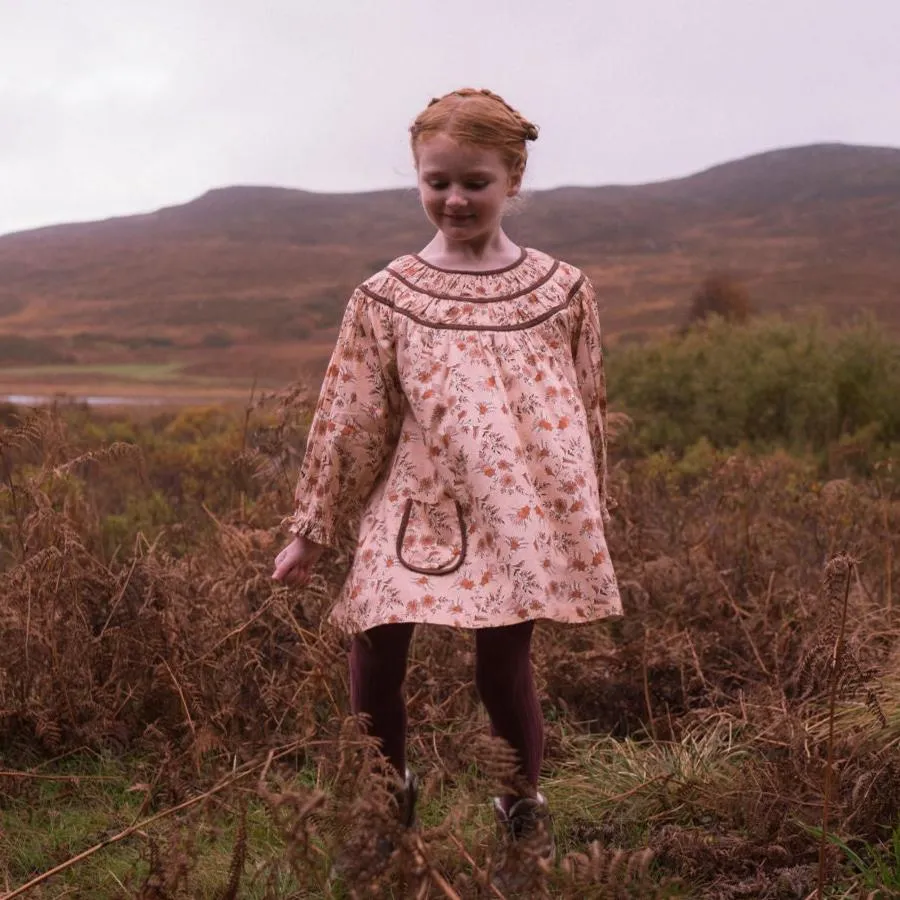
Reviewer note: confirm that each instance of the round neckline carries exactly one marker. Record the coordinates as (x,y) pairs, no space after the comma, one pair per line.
(523,255)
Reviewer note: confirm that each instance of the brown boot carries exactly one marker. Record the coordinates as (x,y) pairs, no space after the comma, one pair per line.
(359,854)
(526,841)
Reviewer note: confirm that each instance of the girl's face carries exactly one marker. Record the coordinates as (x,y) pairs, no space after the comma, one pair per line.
(463,188)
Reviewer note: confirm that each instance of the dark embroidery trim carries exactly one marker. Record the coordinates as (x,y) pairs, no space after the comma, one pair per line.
(509,268)
(442,296)
(449,326)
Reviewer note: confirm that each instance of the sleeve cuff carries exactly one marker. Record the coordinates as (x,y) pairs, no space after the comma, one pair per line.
(316,531)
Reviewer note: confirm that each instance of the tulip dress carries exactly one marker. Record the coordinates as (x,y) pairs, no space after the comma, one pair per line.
(461,428)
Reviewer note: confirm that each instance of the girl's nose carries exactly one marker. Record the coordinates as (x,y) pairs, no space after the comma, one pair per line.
(455,198)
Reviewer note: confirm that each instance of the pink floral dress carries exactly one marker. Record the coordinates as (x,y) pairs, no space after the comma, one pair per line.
(462,424)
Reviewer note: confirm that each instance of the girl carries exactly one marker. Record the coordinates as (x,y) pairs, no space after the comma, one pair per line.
(463,416)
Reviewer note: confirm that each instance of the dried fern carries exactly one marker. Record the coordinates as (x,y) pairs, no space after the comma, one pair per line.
(831,663)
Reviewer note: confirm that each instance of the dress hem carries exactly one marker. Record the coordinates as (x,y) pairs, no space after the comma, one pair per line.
(345,623)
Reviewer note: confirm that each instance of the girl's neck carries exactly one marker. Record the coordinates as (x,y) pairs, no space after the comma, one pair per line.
(495,252)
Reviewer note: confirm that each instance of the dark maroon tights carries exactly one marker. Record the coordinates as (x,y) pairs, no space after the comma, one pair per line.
(503,676)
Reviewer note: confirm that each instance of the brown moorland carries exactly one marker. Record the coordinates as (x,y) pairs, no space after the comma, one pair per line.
(249,283)
(173,723)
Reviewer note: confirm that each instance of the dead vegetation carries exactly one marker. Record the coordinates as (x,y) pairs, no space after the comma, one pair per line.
(695,748)
(720,294)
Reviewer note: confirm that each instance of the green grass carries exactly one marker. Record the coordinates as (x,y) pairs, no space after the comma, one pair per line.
(45,821)
(116,378)
(603,783)
(629,783)
(128,371)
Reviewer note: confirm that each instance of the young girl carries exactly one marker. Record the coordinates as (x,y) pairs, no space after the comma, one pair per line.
(463,416)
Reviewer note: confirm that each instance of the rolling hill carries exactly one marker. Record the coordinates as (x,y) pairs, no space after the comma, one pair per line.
(251,281)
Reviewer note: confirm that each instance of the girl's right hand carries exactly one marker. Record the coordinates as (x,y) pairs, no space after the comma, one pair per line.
(294,564)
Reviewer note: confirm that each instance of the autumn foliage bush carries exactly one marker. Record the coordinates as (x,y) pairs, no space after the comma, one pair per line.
(720,295)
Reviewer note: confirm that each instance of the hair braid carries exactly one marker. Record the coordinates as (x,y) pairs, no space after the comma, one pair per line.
(529,129)
(489,121)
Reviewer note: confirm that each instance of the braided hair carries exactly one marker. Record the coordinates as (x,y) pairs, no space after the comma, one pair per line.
(477,116)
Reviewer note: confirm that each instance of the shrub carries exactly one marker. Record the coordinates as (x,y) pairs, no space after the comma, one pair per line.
(720,295)
(766,384)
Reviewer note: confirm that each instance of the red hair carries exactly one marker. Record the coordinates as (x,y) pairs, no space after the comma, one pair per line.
(478,117)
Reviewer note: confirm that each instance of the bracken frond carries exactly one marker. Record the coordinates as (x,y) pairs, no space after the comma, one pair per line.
(832,656)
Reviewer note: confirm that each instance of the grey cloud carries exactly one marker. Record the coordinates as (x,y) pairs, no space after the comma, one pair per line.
(117,108)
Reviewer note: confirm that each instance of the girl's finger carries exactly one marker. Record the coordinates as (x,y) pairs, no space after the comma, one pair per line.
(282,572)
(290,573)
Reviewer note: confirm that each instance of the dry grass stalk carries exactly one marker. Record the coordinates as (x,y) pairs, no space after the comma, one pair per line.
(836,568)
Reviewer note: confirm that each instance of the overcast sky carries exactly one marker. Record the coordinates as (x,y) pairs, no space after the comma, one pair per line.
(111,107)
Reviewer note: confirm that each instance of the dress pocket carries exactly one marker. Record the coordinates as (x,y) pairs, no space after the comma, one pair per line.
(431,539)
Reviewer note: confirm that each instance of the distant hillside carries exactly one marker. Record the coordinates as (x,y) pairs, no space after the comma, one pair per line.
(263,273)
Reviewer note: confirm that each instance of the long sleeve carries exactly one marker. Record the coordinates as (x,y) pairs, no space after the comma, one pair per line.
(355,426)
(589,369)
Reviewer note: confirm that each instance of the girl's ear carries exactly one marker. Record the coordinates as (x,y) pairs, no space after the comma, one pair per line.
(515,184)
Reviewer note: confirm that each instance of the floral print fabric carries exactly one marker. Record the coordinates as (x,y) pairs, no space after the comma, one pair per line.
(462,422)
